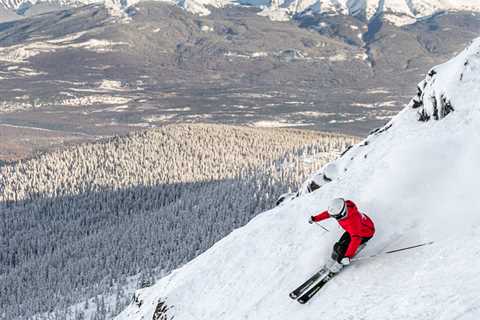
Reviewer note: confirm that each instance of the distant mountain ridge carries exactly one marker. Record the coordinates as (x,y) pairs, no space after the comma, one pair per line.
(17,4)
(17,9)
(398,12)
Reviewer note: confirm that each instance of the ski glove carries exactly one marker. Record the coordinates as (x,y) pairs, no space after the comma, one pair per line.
(345,261)
(311,220)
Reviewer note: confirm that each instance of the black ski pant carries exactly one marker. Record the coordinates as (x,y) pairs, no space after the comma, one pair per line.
(341,246)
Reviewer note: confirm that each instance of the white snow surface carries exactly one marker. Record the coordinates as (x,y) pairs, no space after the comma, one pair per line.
(419,181)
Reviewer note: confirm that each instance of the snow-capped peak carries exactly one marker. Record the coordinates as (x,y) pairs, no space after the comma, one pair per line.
(19,4)
(417,180)
(396,11)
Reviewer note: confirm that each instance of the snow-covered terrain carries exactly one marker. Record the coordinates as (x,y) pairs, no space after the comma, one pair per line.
(22,53)
(22,5)
(16,9)
(417,180)
(396,11)
(399,12)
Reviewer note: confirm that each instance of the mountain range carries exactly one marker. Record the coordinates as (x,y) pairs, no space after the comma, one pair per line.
(399,12)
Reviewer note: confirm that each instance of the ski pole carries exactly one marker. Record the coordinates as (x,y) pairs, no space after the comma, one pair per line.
(318,224)
(411,247)
(393,251)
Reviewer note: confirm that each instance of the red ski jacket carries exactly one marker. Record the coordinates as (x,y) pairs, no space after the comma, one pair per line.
(357,224)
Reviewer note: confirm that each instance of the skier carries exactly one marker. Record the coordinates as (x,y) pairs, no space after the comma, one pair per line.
(359,228)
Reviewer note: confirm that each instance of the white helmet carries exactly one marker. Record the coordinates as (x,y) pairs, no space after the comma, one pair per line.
(337,208)
(330,172)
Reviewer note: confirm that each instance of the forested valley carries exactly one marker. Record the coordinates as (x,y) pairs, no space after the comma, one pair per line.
(76,223)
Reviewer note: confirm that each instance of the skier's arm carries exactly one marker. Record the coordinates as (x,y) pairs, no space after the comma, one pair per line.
(353,246)
(321,216)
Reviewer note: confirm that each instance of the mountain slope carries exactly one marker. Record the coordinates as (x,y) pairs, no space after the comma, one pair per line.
(417,180)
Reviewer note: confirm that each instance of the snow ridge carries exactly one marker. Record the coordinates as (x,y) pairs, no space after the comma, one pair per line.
(402,176)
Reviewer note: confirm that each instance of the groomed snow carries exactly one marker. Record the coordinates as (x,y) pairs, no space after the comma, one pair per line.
(417,180)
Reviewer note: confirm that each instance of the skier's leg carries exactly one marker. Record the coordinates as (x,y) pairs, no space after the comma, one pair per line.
(365,240)
(362,245)
(360,248)
(339,249)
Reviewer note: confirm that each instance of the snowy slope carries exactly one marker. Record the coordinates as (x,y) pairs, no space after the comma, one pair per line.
(417,180)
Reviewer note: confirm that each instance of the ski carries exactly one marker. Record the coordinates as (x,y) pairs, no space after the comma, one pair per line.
(304,286)
(309,288)
(314,289)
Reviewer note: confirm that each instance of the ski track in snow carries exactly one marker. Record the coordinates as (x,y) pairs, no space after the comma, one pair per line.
(417,180)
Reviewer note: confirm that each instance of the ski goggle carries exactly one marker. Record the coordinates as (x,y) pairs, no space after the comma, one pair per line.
(341,215)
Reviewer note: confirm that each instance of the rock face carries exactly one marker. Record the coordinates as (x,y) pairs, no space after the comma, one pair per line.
(433,99)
